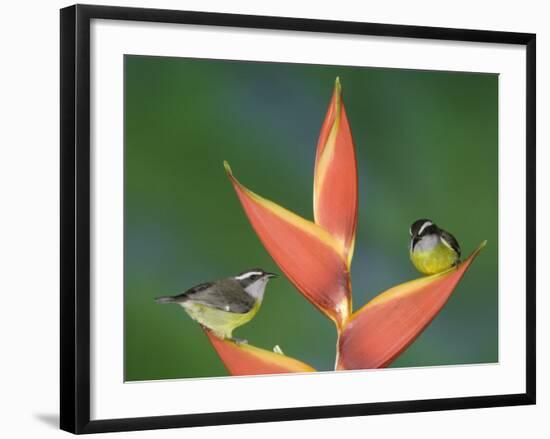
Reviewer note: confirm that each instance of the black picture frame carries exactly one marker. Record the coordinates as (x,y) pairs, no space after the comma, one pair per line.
(75,217)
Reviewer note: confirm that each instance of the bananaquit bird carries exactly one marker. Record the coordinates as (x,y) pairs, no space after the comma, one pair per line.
(224,304)
(432,250)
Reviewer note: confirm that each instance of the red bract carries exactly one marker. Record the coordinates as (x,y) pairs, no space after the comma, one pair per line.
(311,258)
(244,359)
(377,333)
(335,180)
(316,258)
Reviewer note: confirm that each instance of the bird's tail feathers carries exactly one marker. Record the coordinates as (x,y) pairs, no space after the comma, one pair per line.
(165,299)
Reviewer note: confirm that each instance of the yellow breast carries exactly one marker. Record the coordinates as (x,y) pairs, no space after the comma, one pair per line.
(221,323)
(435,260)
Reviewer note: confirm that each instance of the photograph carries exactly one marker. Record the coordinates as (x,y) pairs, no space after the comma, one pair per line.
(302,218)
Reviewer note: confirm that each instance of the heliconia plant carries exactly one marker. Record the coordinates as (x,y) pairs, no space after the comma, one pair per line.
(316,257)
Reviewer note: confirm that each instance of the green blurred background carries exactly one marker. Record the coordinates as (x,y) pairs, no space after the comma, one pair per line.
(427,146)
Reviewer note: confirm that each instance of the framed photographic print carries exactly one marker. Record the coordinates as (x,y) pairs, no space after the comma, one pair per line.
(267,218)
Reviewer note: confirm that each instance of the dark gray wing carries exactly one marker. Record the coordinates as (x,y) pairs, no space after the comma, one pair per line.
(197,288)
(227,295)
(451,241)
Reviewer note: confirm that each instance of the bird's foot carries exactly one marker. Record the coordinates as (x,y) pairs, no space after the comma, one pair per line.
(239,340)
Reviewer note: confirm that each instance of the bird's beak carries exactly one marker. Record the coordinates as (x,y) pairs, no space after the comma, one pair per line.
(272,275)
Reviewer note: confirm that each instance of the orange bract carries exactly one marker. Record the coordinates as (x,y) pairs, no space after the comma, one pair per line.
(244,359)
(335,180)
(308,255)
(377,333)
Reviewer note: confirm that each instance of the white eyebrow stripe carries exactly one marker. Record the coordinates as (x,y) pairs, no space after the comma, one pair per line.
(423,226)
(247,275)
(444,241)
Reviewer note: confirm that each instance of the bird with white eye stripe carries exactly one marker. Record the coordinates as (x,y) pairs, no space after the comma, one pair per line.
(432,249)
(224,304)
